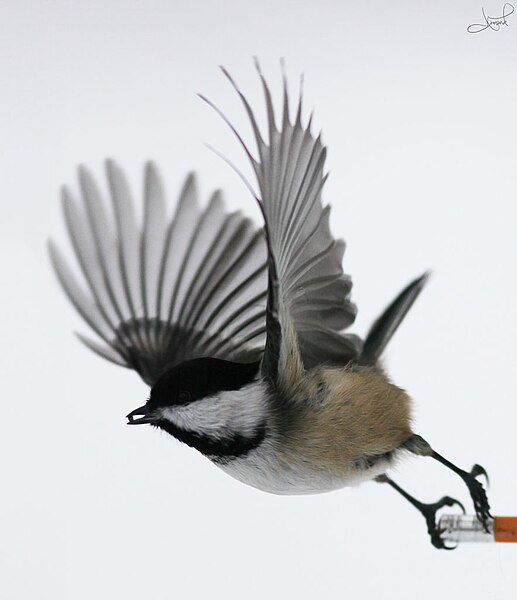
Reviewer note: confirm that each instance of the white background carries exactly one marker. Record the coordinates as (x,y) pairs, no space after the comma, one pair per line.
(420,121)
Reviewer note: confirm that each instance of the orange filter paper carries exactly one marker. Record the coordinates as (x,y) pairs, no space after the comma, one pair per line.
(505,529)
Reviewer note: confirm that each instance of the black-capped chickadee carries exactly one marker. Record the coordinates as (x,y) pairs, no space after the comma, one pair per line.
(239,331)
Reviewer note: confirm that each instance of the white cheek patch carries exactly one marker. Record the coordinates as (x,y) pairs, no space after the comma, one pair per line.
(224,415)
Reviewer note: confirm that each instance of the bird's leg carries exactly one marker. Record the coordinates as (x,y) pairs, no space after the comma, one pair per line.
(477,492)
(428,510)
(419,446)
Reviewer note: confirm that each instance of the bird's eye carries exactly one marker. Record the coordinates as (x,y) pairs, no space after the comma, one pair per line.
(183,396)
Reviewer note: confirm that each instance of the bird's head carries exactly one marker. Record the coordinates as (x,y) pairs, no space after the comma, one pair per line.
(190,382)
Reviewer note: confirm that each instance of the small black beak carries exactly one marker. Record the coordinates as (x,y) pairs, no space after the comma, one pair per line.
(142,410)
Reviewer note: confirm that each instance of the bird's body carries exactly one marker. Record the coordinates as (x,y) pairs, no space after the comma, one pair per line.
(240,332)
(329,434)
(326,432)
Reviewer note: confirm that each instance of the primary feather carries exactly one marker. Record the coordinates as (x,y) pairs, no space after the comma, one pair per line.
(170,290)
(309,301)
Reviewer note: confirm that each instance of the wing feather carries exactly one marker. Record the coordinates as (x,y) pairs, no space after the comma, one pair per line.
(309,301)
(152,242)
(127,235)
(170,289)
(104,351)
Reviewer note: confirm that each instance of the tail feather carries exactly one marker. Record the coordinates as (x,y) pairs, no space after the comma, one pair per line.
(385,326)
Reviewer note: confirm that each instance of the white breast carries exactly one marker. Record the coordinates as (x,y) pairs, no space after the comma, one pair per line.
(271,471)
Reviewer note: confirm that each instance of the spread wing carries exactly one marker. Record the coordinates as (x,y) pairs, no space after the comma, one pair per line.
(309,295)
(168,290)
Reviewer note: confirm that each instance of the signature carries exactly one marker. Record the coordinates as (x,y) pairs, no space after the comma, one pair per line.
(494,23)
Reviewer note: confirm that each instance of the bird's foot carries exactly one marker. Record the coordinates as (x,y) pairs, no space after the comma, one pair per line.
(429,511)
(478,494)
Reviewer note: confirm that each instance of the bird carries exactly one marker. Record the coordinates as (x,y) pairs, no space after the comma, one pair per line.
(241,331)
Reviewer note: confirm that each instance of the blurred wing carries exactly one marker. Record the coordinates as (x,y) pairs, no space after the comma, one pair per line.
(171,289)
(309,296)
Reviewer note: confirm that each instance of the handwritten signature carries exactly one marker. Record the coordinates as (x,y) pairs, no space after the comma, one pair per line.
(494,23)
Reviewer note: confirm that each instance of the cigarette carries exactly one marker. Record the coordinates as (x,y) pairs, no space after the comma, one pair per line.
(467,528)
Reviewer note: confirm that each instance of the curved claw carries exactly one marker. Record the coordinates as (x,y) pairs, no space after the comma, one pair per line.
(437,542)
(429,511)
(479,470)
(450,547)
(445,547)
(479,498)
(448,501)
